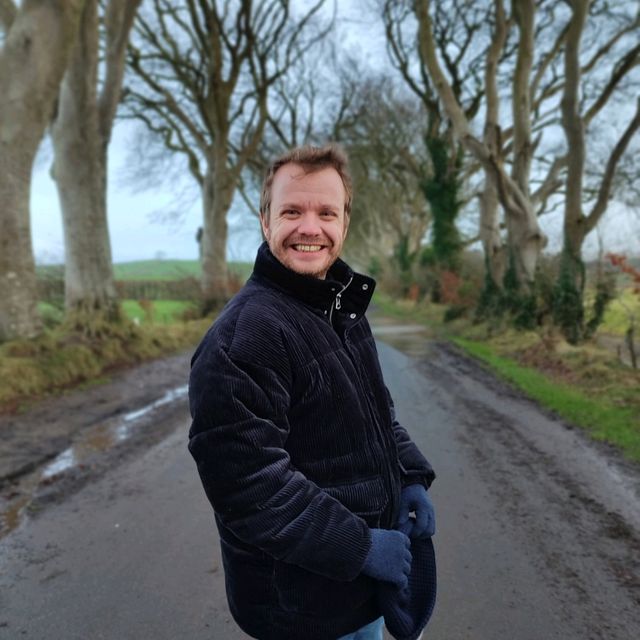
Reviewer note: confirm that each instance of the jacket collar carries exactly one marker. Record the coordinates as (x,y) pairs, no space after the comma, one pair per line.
(317,293)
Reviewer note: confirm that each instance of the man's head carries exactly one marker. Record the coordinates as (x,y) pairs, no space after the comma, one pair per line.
(305,206)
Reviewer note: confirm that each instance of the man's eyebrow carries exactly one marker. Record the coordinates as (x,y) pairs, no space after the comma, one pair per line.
(299,205)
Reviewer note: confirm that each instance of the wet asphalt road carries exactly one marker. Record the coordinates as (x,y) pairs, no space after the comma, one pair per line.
(538,532)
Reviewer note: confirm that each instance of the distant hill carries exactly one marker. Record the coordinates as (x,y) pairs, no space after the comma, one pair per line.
(152,270)
(157,270)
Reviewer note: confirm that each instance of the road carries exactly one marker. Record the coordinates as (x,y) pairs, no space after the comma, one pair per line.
(538,531)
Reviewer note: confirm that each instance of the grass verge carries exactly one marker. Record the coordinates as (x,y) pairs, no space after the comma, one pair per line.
(617,425)
(62,358)
(586,386)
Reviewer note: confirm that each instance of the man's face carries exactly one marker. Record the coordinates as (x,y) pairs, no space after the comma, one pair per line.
(306,225)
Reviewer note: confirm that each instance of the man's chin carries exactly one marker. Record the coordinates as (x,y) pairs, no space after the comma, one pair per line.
(306,269)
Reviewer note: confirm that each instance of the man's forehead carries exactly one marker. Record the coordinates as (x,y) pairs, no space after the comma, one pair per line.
(292,179)
(295,171)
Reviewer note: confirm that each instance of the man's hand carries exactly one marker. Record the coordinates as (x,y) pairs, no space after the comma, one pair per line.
(415,498)
(389,558)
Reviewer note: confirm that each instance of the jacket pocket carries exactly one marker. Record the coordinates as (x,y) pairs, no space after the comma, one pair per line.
(309,594)
(365,498)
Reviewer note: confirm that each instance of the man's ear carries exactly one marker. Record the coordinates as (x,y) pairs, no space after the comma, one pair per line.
(347,219)
(264,223)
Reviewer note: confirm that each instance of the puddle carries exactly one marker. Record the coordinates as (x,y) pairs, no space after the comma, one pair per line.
(106,435)
(169,396)
(96,439)
(412,339)
(63,461)
(399,329)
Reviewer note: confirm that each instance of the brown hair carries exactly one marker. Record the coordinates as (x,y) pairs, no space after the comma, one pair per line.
(311,159)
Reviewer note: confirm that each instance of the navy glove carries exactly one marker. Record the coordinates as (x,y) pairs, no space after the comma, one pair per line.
(415,498)
(389,558)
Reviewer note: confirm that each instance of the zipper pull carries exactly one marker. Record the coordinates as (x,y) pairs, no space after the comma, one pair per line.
(338,303)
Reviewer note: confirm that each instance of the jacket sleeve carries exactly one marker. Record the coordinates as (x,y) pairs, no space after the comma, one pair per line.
(237,439)
(414,467)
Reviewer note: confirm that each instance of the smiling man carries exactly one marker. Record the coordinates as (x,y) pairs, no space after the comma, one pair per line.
(311,477)
(304,217)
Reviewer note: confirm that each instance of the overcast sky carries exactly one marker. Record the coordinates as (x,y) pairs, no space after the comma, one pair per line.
(138,226)
(137,233)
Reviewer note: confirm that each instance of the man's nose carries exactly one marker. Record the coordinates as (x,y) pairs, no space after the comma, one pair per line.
(309,224)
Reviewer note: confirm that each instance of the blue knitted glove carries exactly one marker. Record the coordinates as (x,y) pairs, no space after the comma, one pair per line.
(415,498)
(389,558)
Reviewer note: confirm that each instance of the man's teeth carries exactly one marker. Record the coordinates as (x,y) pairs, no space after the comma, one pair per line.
(307,247)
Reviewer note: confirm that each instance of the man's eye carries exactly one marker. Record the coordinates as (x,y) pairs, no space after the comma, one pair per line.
(289,212)
(328,214)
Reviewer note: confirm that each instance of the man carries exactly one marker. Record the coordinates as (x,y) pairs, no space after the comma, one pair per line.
(294,434)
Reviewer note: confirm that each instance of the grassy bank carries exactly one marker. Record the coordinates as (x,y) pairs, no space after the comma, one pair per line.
(586,385)
(62,358)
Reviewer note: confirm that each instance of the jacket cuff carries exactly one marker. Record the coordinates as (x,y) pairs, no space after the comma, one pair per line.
(425,477)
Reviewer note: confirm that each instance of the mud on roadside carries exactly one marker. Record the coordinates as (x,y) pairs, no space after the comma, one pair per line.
(60,443)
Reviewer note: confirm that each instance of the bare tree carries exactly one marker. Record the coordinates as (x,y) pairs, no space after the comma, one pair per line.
(455,31)
(300,111)
(526,239)
(308,105)
(38,37)
(204,72)
(490,235)
(575,120)
(383,130)
(81,133)
(381,125)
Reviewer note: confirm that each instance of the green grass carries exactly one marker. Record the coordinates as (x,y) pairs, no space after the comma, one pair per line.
(50,314)
(160,311)
(616,425)
(616,318)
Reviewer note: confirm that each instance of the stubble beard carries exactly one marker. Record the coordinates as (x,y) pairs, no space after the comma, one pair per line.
(318,274)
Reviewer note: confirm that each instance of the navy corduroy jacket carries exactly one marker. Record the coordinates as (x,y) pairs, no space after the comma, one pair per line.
(298,449)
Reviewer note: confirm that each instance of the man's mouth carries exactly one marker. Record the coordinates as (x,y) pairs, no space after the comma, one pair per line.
(308,248)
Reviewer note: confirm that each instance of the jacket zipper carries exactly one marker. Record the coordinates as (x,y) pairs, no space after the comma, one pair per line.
(383,439)
(337,303)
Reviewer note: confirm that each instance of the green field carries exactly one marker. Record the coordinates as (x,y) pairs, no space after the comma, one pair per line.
(152,270)
(157,270)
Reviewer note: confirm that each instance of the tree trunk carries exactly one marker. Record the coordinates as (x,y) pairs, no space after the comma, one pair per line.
(80,136)
(32,63)
(574,220)
(217,195)
(492,244)
(524,13)
(490,236)
(81,180)
(18,291)
(442,192)
(568,295)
